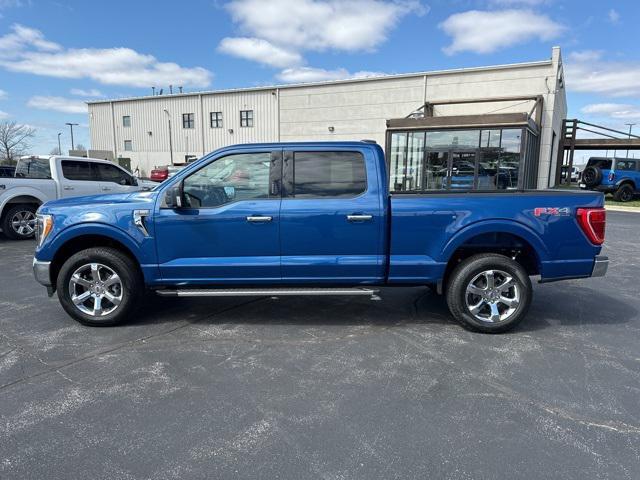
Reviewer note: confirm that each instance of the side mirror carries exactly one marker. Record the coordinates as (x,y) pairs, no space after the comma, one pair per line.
(173,197)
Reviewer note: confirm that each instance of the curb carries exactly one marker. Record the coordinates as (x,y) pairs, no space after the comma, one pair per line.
(622,209)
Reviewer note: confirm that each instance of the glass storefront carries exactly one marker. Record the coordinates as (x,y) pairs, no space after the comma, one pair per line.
(472,159)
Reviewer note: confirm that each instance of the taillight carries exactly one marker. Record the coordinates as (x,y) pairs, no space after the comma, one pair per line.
(593,221)
(612,176)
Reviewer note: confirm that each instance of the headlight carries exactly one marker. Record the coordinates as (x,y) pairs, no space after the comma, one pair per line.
(44,224)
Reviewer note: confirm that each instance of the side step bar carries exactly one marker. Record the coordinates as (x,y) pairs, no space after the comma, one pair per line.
(270,292)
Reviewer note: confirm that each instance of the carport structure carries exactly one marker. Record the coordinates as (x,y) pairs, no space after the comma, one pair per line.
(605,140)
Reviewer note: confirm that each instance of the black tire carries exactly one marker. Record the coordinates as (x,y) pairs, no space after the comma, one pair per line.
(591,176)
(21,231)
(131,286)
(475,266)
(624,193)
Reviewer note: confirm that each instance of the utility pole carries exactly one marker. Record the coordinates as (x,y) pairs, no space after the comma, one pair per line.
(71,125)
(59,148)
(630,127)
(170,141)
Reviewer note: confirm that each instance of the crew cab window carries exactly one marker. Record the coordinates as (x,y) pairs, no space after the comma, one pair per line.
(33,168)
(74,170)
(626,165)
(328,175)
(228,179)
(111,173)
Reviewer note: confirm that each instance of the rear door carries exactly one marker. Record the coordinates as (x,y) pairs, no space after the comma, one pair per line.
(332,217)
(78,178)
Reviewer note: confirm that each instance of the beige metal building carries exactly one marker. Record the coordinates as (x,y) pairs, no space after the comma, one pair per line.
(525,95)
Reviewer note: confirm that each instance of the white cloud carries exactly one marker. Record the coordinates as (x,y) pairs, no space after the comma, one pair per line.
(588,71)
(347,25)
(259,50)
(311,74)
(3,115)
(620,111)
(3,94)
(26,50)
(92,93)
(528,3)
(614,16)
(487,31)
(59,104)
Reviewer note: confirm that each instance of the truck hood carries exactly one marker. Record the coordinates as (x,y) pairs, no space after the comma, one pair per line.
(100,200)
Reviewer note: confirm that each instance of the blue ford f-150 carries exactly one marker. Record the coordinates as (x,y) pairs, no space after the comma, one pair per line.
(313,219)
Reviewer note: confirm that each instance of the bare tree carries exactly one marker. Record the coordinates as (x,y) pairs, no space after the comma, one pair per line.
(55,151)
(80,146)
(15,140)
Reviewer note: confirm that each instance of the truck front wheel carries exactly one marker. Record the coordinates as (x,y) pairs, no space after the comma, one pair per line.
(99,286)
(489,293)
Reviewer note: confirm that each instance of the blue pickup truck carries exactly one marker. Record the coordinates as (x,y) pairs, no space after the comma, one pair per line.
(313,219)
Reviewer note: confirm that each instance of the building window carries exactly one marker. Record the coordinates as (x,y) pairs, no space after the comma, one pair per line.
(216,119)
(473,159)
(188,120)
(246,118)
(126,121)
(128,146)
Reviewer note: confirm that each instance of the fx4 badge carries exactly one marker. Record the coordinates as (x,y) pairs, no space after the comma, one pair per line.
(556,212)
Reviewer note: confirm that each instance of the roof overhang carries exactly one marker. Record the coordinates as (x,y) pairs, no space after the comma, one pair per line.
(487,120)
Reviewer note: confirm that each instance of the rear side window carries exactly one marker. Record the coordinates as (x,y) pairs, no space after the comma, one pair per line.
(74,170)
(328,174)
(602,163)
(625,165)
(33,168)
(111,173)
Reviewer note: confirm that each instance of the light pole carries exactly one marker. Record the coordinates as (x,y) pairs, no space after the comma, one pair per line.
(630,127)
(71,125)
(59,148)
(170,141)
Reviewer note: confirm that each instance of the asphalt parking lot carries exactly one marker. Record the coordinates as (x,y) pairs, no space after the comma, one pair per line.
(327,388)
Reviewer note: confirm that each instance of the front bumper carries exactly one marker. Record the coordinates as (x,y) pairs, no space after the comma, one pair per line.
(42,273)
(600,266)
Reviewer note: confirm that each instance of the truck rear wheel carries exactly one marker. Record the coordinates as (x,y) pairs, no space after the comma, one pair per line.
(19,222)
(624,193)
(489,293)
(98,286)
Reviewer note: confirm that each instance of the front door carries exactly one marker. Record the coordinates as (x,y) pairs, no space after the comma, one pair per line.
(228,230)
(332,217)
(78,178)
(452,170)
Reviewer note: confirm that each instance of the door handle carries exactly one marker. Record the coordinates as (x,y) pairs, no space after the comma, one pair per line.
(106,189)
(359,218)
(259,219)
(68,187)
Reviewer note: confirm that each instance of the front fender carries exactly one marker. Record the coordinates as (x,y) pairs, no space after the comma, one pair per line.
(141,248)
(496,226)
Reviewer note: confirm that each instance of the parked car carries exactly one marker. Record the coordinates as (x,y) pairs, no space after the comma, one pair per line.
(40,179)
(313,219)
(160,174)
(575,173)
(7,171)
(619,176)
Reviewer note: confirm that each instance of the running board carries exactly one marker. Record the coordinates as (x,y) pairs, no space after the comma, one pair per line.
(270,292)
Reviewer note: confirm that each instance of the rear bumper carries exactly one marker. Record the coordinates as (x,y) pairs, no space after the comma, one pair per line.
(600,266)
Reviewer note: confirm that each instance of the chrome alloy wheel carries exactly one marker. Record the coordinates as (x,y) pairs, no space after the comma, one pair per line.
(23,223)
(95,289)
(492,296)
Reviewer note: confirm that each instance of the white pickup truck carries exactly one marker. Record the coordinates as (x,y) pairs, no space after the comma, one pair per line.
(43,178)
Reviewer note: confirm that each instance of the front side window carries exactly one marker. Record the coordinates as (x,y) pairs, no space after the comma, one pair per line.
(328,175)
(33,168)
(126,121)
(78,171)
(111,173)
(128,145)
(231,178)
(216,119)
(188,120)
(246,118)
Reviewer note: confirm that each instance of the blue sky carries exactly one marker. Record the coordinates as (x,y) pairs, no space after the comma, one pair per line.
(54,55)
